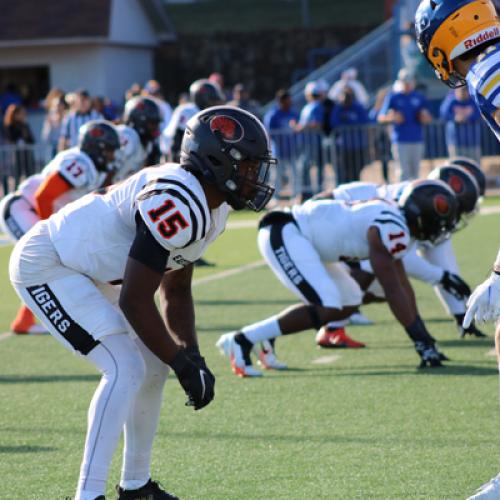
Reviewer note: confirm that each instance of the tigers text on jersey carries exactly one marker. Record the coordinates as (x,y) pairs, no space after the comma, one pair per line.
(360,191)
(483,80)
(339,230)
(132,152)
(75,167)
(94,234)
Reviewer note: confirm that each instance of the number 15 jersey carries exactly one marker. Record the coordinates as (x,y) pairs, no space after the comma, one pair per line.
(94,234)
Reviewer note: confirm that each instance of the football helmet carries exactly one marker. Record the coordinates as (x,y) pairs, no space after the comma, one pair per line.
(205,93)
(473,168)
(230,148)
(430,208)
(464,186)
(100,140)
(447,29)
(143,115)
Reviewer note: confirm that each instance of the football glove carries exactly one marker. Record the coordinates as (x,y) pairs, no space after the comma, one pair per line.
(471,330)
(455,285)
(429,355)
(484,303)
(195,378)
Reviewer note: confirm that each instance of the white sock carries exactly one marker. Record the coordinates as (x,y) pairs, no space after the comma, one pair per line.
(263,330)
(132,484)
(337,324)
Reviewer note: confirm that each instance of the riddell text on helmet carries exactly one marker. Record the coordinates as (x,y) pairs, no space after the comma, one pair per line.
(483,36)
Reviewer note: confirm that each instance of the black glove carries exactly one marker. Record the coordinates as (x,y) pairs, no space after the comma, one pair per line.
(455,285)
(196,380)
(429,355)
(471,330)
(193,353)
(425,344)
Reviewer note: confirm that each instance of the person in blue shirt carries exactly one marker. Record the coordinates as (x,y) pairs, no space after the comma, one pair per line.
(280,122)
(463,130)
(347,120)
(311,125)
(407,110)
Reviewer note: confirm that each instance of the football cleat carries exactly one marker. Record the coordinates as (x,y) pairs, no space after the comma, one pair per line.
(268,359)
(239,358)
(336,338)
(150,491)
(360,319)
(35,329)
(488,491)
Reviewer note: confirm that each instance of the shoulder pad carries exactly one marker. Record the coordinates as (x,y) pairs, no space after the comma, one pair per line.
(75,169)
(393,230)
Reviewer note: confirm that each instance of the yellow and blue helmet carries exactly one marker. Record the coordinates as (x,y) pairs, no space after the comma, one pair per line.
(447,29)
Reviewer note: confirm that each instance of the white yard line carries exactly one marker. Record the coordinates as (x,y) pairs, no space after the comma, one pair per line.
(5,335)
(326,360)
(494,209)
(229,272)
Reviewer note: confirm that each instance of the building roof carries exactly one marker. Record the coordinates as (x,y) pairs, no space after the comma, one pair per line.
(50,19)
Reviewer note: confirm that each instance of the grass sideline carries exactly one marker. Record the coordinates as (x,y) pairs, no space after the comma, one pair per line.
(369,425)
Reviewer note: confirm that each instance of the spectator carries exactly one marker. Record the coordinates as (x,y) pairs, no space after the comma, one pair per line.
(133,91)
(218,79)
(311,124)
(280,122)
(407,110)
(80,112)
(17,131)
(153,89)
(463,127)
(351,140)
(380,137)
(241,99)
(51,130)
(105,107)
(10,96)
(349,77)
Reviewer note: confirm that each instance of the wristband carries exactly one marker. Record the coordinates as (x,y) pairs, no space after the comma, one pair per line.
(179,361)
(192,350)
(418,332)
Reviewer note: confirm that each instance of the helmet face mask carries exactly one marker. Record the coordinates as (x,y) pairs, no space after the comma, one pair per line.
(448,29)
(430,209)
(229,147)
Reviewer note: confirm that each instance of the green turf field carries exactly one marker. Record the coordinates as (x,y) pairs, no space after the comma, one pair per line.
(367,426)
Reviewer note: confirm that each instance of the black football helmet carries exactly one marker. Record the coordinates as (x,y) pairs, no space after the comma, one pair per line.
(473,168)
(205,93)
(143,115)
(430,208)
(230,148)
(464,186)
(98,138)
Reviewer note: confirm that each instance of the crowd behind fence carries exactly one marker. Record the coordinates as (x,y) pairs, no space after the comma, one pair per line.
(309,161)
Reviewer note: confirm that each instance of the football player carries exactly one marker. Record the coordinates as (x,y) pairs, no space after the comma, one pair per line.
(71,174)
(202,93)
(433,263)
(138,133)
(460,39)
(305,247)
(144,233)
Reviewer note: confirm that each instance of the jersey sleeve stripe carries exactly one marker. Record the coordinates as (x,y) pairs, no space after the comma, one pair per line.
(392,221)
(176,194)
(392,214)
(490,86)
(204,227)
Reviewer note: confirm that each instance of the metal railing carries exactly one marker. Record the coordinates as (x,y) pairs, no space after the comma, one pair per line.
(310,162)
(20,161)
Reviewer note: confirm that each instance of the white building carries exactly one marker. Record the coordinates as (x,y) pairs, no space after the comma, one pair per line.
(101,45)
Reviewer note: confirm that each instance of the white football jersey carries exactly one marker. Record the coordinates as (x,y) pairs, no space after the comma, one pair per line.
(132,153)
(181,115)
(338,230)
(75,167)
(360,191)
(94,234)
